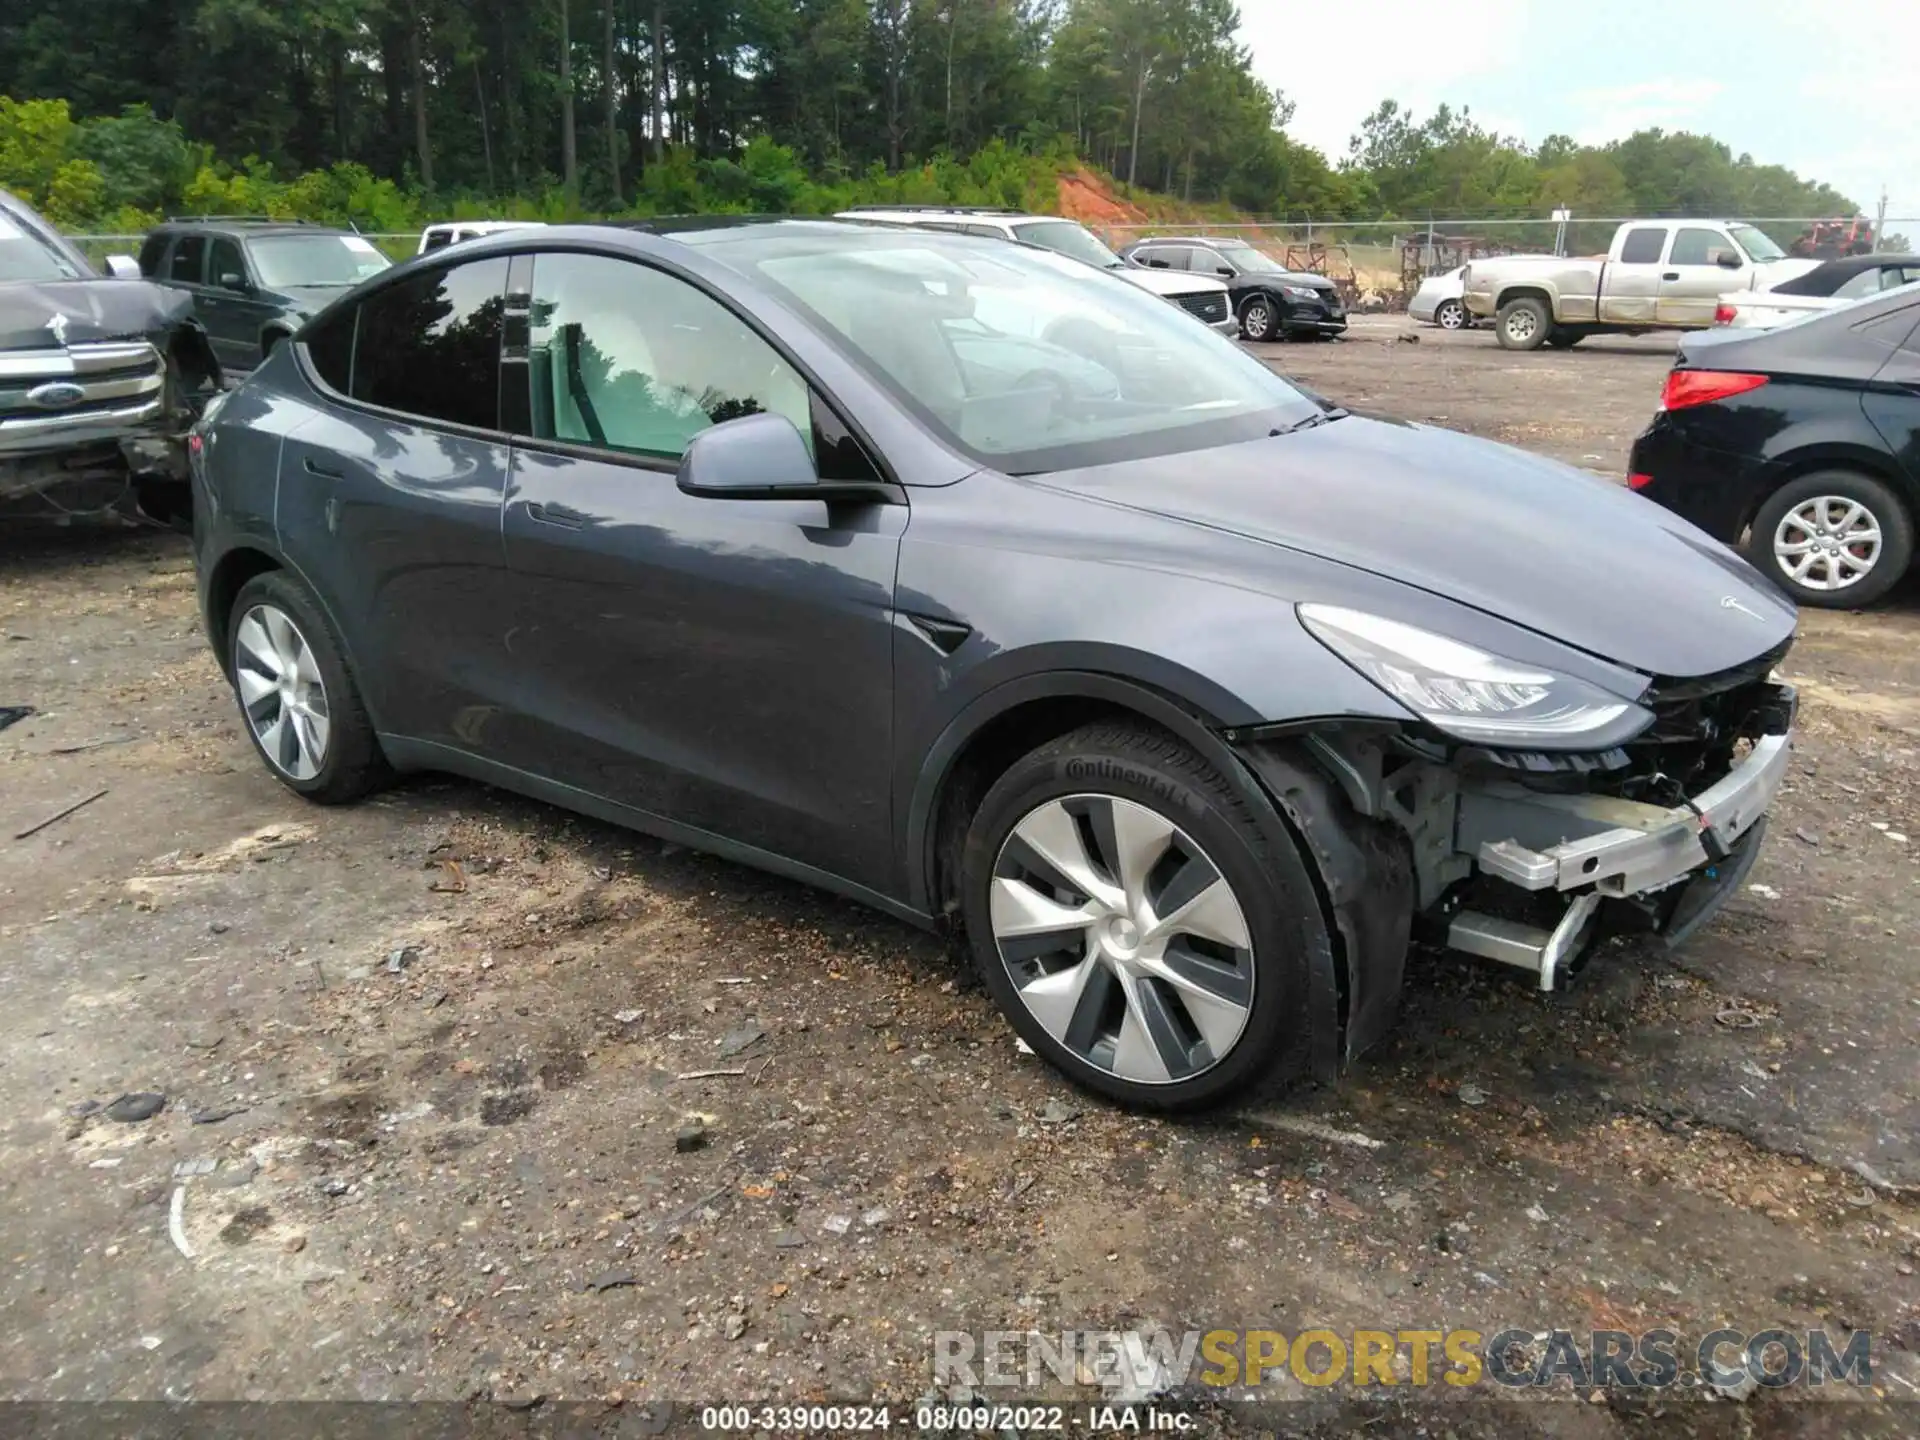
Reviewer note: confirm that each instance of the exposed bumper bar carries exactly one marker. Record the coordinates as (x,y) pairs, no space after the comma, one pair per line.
(1655,849)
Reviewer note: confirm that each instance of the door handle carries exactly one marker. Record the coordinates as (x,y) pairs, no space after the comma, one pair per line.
(325,472)
(1671,275)
(546,512)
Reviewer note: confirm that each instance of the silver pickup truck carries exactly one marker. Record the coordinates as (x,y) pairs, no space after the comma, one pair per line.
(1657,275)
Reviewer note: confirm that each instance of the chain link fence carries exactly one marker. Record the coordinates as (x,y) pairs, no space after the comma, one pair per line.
(1378,264)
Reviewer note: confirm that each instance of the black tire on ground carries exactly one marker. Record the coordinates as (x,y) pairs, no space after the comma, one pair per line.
(1451,315)
(1889,517)
(1523,324)
(1257,319)
(353,765)
(1118,761)
(1566,339)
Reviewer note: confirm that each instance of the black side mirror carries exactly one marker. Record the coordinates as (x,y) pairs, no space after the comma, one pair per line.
(1225,272)
(1726,259)
(761,457)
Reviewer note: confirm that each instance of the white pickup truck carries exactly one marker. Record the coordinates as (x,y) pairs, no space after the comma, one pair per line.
(1657,275)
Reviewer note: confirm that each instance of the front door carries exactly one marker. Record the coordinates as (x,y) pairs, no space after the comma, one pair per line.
(228,308)
(724,664)
(1694,279)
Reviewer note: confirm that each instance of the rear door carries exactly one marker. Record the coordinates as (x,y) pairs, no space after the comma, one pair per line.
(1630,284)
(1893,402)
(391,495)
(1693,279)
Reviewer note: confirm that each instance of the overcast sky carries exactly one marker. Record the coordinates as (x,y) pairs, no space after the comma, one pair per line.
(1824,87)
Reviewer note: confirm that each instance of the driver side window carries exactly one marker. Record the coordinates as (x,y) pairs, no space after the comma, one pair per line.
(630,358)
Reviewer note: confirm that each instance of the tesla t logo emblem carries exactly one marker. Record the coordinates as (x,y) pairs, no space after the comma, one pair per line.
(1727,602)
(58,325)
(55,395)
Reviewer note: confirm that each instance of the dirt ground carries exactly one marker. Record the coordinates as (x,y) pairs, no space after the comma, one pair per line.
(425,1060)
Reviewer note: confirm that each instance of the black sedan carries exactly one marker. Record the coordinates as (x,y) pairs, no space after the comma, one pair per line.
(1804,441)
(1271,301)
(987,588)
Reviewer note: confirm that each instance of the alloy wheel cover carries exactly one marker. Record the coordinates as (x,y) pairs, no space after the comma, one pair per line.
(1122,938)
(281,691)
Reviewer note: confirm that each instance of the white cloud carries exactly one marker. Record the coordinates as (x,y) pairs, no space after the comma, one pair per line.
(1337,64)
(1614,111)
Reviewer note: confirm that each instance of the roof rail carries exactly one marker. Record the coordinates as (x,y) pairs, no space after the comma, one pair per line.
(943,209)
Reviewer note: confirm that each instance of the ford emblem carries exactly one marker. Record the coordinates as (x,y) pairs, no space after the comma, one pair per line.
(56,395)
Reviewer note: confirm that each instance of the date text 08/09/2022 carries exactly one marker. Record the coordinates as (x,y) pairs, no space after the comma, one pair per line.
(945,1419)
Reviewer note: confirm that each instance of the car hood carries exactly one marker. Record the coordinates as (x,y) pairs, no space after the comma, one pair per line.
(1170,282)
(1562,552)
(94,309)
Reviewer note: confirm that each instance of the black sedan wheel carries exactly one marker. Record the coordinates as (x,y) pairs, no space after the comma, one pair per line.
(1834,539)
(302,709)
(1132,922)
(1257,320)
(1451,315)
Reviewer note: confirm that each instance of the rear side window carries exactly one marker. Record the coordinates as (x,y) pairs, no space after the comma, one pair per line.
(329,342)
(439,239)
(1643,247)
(430,345)
(189,259)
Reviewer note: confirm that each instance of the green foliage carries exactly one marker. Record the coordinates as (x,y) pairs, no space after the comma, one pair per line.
(122,110)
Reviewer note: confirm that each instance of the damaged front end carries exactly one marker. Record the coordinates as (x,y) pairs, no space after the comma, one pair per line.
(100,380)
(1529,857)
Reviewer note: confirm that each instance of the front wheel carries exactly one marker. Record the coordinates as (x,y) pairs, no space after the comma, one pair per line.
(1257,320)
(1834,539)
(1133,922)
(1523,324)
(1451,315)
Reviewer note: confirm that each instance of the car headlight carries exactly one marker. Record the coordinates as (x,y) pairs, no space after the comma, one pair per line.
(1470,694)
(1301,292)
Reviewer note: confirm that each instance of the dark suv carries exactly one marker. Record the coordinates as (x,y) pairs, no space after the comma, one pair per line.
(254,282)
(1271,300)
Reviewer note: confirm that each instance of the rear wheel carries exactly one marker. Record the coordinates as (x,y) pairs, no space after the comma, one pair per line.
(1834,539)
(1523,324)
(298,700)
(1257,319)
(1134,924)
(1451,315)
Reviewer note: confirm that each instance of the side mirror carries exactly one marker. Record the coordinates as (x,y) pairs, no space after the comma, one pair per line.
(1727,260)
(760,457)
(1225,272)
(231,281)
(123,267)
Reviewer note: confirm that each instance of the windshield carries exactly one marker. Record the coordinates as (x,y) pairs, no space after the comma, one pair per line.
(25,254)
(1024,361)
(1070,239)
(1245,257)
(329,261)
(1758,247)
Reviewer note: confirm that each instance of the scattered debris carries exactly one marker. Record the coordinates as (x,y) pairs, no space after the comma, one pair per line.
(734,1326)
(740,1039)
(1896,836)
(1021,1047)
(1738,1387)
(1736,1016)
(1537,1214)
(837,1224)
(627,1017)
(83,1107)
(87,745)
(1058,1112)
(1861,1200)
(334,1189)
(788,1239)
(130,1109)
(1471,1094)
(611,1280)
(215,1116)
(1312,1129)
(205,1040)
(453,882)
(709,1074)
(1765,892)
(295,1244)
(176,1221)
(1806,836)
(690,1137)
(1399,1202)
(203,1165)
(876,1217)
(11,714)
(56,818)
(1018,1185)
(401,958)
